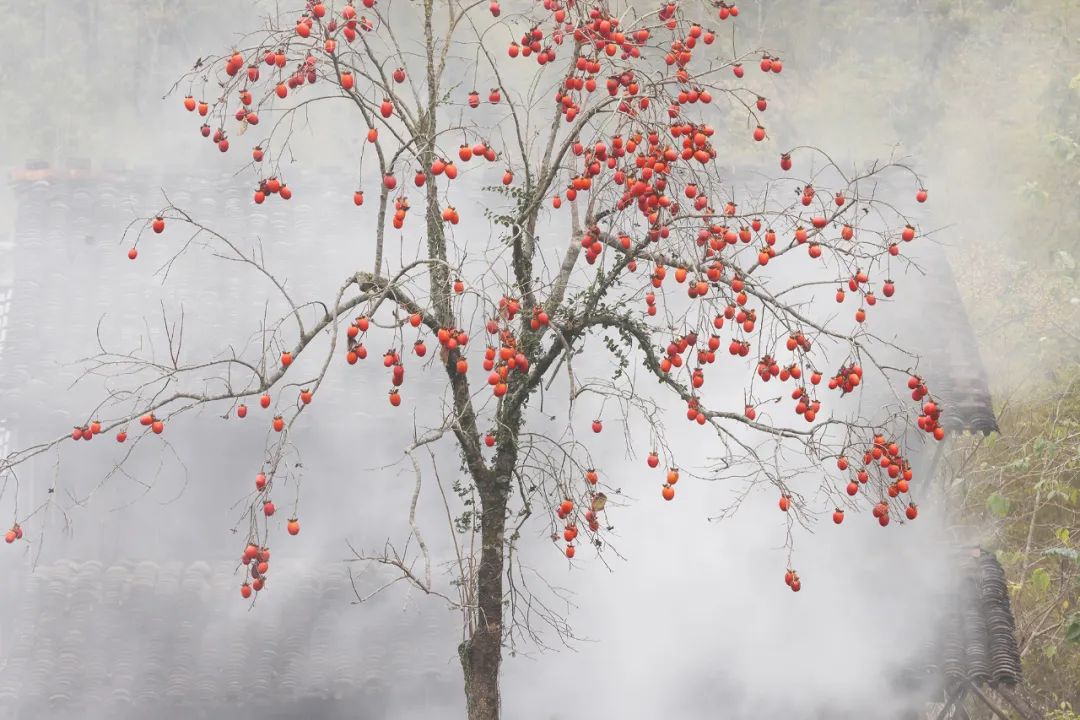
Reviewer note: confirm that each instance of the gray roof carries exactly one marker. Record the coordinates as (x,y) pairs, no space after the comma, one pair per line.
(128,636)
(942,335)
(976,640)
(124,638)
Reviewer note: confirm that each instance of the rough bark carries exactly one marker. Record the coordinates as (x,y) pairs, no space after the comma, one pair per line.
(481,654)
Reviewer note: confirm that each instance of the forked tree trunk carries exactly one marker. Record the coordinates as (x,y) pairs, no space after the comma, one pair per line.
(481,654)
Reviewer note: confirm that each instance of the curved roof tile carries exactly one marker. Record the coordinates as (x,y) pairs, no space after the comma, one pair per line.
(148,635)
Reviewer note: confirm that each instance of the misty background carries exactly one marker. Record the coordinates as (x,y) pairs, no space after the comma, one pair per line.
(695,622)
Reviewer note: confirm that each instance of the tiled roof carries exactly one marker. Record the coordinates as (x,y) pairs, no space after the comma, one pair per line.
(56,210)
(976,641)
(141,635)
(92,636)
(946,342)
(979,642)
(74,224)
(131,636)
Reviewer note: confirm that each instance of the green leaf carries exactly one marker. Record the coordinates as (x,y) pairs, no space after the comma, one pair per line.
(1040,580)
(1072,631)
(998,504)
(1063,535)
(1050,651)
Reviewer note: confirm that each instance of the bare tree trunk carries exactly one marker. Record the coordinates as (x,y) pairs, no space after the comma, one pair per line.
(481,654)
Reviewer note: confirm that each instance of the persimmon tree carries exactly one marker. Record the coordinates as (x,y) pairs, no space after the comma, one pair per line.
(613,232)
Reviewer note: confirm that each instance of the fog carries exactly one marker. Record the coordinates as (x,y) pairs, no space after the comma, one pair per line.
(680,613)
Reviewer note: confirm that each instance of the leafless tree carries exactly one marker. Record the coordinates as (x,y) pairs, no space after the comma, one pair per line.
(614,239)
